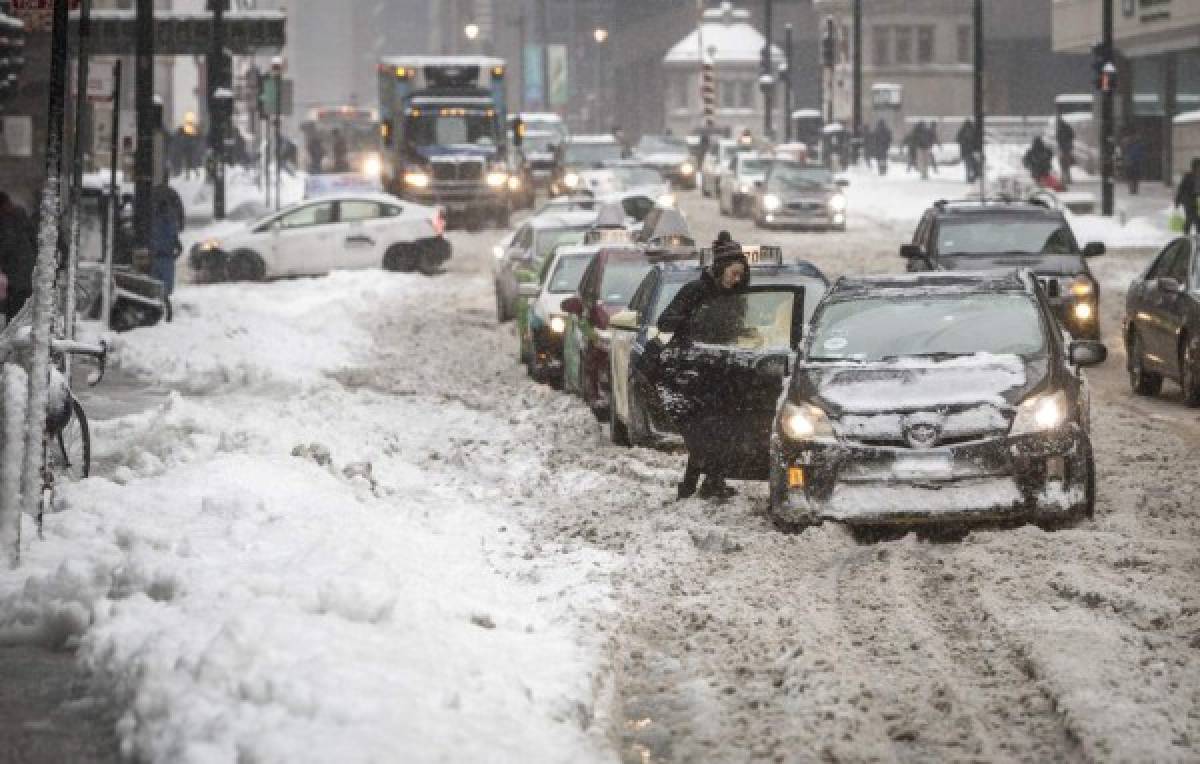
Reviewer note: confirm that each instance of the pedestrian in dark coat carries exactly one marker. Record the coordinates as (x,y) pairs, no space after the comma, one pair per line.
(18,254)
(883,145)
(165,247)
(1038,160)
(316,153)
(1134,154)
(1187,196)
(1064,136)
(910,148)
(967,150)
(729,274)
(341,154)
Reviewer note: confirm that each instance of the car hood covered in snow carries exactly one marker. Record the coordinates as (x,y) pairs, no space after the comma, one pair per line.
(1001,381)
(1043,264)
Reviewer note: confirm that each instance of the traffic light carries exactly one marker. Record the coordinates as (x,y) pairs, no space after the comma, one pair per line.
(1104,68)
(518,131)
(827,43)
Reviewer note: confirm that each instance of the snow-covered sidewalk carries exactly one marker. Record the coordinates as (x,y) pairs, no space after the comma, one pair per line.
(272,570)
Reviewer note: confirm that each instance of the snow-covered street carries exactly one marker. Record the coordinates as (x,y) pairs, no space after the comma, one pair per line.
(354,530)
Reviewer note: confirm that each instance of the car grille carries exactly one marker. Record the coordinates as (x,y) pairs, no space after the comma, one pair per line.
(467,170)
(960,426)
(805,206)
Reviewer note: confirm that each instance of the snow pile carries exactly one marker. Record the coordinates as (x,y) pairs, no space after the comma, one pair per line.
(287,570)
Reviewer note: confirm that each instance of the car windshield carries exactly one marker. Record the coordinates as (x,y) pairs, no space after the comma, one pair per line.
(661,144)
(632,177)
(752,167)
(568,271)
(889,328)
(795,178)
(549,238)
(622,276)
(1005,236)
(539,143)
(592,153)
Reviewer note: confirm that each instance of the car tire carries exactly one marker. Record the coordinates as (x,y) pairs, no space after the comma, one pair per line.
(1189,371)
(399,258)
(245,265)
(1143,382)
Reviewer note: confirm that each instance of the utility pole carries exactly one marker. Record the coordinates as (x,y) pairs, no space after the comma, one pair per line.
(277,72)
(217,82)
(544,37)
(114,213)
(788,82)
(81,82)
(144,104)
(856,118)
(1106,110)
(979,132)
(766,76)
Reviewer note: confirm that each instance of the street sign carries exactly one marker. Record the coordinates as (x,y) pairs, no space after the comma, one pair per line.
(187,34)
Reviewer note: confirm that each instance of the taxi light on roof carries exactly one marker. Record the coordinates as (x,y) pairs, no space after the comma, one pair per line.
(401,72)
(795,477)
(497,71)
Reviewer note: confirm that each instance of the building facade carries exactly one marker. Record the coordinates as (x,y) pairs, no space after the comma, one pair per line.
(1158,71)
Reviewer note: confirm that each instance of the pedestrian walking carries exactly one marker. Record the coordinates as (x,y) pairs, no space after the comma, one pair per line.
(1064,137)
(923,140)
(967,149)
(1187,196)
(316,153)
(910,149)
(341,154)
(729,274)
(883,145)
(18,254)
(1133,152)
(1038,160)
(165,247)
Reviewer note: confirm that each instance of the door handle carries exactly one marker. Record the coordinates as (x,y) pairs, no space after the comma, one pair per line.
(367,240)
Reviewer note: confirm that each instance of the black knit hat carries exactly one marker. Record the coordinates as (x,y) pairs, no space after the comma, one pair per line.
(725,250)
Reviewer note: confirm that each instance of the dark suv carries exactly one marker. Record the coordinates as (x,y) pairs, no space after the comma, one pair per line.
(1002,235)
(935,399)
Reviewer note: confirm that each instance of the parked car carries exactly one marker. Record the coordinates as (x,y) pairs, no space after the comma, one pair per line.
(543,324)
(944,399)
(637,416)
(352,230)
(527,252)
(609,281)
(999,235)
(737,184)
(583,152)
(714,163)
(1162,322)
(796,194)
(670,156)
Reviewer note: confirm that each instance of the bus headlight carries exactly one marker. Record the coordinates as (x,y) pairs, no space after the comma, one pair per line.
(416,179)
(514,183)
(372,166)
(837,203)
(570,180)
(687,168)
(771,202)
(497,179)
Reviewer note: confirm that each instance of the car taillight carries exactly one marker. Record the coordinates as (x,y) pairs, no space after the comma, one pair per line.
(439,221)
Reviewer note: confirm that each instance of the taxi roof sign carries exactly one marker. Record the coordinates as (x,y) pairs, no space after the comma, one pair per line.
(756,254)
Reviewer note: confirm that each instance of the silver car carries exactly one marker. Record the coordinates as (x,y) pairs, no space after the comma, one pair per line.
(800,195)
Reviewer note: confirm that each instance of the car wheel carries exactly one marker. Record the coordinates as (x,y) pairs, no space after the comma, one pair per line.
(617,429)
(398,258)
(1189,373)
(1143,382)
(245,265)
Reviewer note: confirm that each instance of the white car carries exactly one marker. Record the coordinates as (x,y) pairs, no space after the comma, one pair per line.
(348,230)
(737,190)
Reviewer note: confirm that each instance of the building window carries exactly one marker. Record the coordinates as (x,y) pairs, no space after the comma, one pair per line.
(924,45)
(746,94)
(904,45)
(728,95)
(881,37)
(964,43)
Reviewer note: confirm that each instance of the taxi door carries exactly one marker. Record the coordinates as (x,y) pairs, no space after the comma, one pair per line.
(722,374)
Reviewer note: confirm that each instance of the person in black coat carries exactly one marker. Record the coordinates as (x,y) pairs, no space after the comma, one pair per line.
(1187,196)
(883,145)
(729,274)
(18,254)
(967,150)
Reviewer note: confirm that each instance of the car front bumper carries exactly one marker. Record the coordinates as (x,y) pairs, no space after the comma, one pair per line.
(1028,477)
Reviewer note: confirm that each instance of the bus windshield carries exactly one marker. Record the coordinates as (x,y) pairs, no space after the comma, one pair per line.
(432,129)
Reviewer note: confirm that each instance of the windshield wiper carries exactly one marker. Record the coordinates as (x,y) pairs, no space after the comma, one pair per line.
(939,355)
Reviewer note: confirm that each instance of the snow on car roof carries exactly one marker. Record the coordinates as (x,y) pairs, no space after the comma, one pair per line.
(563,218)
(955,282)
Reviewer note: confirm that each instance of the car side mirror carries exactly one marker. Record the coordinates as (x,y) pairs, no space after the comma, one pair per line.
(911,252)
(529,289)
(572,305)
(843,182)
(1170,285)
(626,320)
(1094,249)
(1087,353)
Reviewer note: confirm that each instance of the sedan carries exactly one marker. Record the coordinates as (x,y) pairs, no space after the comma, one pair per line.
(737,184)
(936,400)
(542,325)
(1162,322)
(353,230)
(527,252)
(799,195)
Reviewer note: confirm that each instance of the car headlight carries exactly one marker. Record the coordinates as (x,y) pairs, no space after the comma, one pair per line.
(771,202)
(837,202)
(687,168)
(558,324)
(416,179)
(1083,287)
(210,245)
(372,166)
(570,180)
(1084,311)
(514,183)
(804,422)
(496,179)
(1040,413)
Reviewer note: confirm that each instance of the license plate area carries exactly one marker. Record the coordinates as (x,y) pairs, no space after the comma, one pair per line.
(931,466)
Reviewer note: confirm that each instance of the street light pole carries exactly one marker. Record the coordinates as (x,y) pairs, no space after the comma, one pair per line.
(978,94)
(788,82)
(144,105)
(856,148)
(766,77)
(1106,112)
(216,110)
